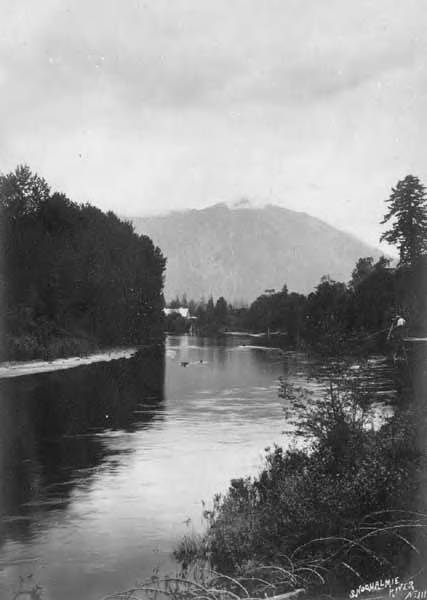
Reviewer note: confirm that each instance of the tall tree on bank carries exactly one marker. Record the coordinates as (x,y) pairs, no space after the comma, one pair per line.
(408,231)
(408,213)
(72,278)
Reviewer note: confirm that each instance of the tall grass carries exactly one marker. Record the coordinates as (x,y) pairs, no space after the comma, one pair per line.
(202,583)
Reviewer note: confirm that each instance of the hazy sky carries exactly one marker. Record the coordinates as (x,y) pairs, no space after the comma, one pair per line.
(144,106)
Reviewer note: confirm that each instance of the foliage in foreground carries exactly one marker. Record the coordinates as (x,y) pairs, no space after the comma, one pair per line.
(346,506)
(202,583)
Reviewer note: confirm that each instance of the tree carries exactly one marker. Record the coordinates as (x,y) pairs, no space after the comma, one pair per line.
(408,210)
(372,295)
(221,310)
(22,192)
(362,270)
(72,276)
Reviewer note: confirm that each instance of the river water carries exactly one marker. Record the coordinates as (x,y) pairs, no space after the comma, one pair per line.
(104,467)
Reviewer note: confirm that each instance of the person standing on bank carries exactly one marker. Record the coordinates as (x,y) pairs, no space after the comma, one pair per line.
(397,334)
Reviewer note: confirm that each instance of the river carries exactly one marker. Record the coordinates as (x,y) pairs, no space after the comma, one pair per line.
(104,467)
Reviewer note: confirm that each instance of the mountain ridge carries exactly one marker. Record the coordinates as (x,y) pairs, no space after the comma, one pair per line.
(239,252)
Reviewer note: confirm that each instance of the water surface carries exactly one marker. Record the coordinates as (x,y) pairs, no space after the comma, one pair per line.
(104,467)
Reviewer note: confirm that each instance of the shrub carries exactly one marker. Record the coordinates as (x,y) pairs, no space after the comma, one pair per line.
(346,503)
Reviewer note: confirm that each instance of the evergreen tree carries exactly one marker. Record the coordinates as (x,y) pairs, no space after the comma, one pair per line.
(408,210)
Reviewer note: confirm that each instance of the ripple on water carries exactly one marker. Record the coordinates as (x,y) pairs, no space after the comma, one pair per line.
(111,496)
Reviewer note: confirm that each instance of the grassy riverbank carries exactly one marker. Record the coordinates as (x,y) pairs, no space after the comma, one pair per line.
(348,508)
(32,346)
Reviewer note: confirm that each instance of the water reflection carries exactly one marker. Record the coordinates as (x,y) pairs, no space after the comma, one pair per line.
(47,427)
(101,466)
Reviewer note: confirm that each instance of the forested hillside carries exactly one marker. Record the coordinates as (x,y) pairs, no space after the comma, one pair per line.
(72,277)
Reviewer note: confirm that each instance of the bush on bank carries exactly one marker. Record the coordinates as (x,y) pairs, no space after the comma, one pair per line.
(29,347)
(344,507)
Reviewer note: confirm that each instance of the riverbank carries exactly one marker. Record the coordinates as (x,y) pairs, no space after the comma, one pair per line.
(348,508)
(330,342)
(33,367)
(62,345)
(45,345)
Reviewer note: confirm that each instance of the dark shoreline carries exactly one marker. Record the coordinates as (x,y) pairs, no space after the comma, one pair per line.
(29,348)
(33,367)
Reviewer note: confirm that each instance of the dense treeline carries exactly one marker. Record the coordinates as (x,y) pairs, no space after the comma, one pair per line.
(72,278)
(364,307)
(211,318)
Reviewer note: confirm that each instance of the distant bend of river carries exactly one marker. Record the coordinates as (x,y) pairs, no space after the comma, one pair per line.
(104,467)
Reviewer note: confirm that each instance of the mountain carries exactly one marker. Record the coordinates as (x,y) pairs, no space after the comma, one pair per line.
(239,252)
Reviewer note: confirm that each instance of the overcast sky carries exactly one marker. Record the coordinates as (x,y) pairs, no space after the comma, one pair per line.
(146,106)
